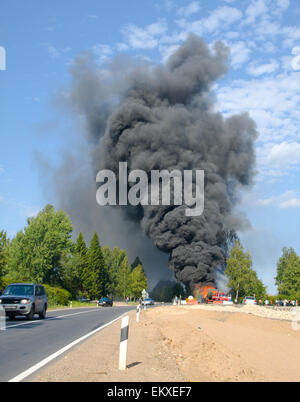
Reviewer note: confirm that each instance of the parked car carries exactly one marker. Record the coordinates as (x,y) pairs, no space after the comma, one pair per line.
(249,300)
(83,300)
(104,302)
(147,301)
(25,299)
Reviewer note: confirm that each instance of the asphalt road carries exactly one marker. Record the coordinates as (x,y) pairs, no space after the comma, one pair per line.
(26,343)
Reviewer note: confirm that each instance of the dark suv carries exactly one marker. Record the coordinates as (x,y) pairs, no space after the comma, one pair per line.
(24,299)
(104,302)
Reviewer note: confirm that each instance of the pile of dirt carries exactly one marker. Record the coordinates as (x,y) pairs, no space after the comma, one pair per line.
(189,343)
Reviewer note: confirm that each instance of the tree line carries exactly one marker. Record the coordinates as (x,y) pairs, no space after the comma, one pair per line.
(243,280)
(43,252)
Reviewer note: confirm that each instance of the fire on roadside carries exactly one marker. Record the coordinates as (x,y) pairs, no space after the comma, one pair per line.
(208,294)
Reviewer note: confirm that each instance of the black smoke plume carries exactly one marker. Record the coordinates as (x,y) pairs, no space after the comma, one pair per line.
(163,117)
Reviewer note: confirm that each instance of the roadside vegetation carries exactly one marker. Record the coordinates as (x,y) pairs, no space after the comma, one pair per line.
(43,252)
(243,280)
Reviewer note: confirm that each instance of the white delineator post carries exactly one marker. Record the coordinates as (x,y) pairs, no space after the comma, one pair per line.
(138,313)
(123,342)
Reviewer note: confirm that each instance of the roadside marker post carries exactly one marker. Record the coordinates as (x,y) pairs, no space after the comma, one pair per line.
(71,304)
(138,313)
(123,342)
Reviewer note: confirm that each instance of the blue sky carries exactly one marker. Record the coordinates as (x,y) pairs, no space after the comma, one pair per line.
(42,38)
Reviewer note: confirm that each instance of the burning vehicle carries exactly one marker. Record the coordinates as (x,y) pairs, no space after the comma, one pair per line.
(210,295)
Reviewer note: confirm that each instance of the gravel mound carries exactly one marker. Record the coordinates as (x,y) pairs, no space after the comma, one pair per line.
(277,313)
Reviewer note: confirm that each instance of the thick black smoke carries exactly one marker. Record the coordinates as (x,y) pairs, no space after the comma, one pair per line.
(162,117)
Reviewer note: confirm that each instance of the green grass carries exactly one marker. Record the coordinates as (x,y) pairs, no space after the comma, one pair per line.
(75,304)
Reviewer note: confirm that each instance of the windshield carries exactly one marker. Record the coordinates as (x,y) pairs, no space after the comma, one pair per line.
(19,290)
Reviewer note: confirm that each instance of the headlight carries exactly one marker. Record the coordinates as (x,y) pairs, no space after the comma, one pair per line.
(0,301)
(25,301)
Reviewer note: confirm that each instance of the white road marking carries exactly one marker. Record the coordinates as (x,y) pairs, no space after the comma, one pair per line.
(48,359)
(48,319)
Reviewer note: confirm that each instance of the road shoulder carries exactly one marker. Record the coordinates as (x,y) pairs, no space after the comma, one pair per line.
(96,360)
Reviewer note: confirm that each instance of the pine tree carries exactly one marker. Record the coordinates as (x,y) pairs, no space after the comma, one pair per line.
(80,246)
(136,262)
(81,250)
(95,278)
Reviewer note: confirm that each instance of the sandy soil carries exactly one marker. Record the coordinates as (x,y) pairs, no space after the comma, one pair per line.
(180,343)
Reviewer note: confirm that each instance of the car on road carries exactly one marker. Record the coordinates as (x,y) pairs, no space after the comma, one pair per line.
(25,299)
(105,302)
(148,302)
(249,300)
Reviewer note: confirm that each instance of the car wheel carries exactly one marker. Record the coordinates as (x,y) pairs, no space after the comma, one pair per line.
(42,315)
(30,314)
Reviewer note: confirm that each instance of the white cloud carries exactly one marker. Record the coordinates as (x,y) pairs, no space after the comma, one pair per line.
(232,35)
(219,19)
(190,9)
(165,5)
(144,38)
(256,9)
(291,203)
(281,6)
(274,102)
(267,29)
(284,4)
(240,53)
(167,51)
(291,35)
(53,51)
(122,47)
(257,70)
(23,209)
(285,153)
(269,47)
(102,52)
(289,199)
